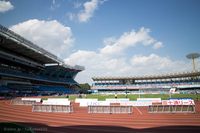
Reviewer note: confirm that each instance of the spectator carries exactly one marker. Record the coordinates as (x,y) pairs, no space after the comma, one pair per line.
(115,95)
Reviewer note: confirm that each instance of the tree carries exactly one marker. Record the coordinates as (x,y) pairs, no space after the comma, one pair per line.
(84,88)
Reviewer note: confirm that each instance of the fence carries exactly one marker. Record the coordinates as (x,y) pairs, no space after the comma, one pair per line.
(52,108)
(25,101)
(110,109)
(171,109)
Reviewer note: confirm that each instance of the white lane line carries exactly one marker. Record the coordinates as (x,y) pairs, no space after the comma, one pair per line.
(139,111)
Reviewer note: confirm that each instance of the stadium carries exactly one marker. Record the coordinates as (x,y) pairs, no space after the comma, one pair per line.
(187,82)
(31,76)
(27,69)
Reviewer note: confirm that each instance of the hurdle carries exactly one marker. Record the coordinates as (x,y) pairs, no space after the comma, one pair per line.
(171,109)
(25,101)
(113,109)
(53,105)
(52,108)
(173,106)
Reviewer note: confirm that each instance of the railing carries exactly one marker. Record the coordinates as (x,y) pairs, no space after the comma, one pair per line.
(19,101)
(110,109)
(52,108)
(171,109)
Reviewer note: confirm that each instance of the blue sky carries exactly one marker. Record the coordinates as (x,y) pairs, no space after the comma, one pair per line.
(110,37)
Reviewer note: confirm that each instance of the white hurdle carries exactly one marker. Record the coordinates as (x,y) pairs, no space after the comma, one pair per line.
(31,99)
(25,101)
(54,105)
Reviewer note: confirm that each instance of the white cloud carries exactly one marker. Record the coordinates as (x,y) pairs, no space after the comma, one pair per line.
(157,45)
(154,64)
(89,8)
(130,39)
(50,35)
(97,64)
(87,13)
(100,63)
(5,6)
(77,4)
(54,5)
(71,16)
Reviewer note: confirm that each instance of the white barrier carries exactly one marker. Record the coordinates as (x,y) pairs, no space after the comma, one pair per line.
(98,103)
(84,102)
(78,100)
(31,99)
(153,100)
(136,103)
(57,101)
(117,100)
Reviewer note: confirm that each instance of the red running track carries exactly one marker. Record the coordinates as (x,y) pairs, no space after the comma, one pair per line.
(81,122)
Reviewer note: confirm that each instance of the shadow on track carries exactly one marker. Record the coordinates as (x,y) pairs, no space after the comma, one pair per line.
(41,128)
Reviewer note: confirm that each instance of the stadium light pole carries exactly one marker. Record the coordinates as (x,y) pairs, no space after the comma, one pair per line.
(193,56)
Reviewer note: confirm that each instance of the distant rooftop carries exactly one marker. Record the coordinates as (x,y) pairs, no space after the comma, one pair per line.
(149,77)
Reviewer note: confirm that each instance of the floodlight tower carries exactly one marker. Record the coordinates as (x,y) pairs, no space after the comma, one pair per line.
(193,56)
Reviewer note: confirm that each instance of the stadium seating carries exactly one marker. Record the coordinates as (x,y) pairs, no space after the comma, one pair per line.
(146,84)
(57,89)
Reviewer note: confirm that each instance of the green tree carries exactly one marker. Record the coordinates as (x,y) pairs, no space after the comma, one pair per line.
(84,88)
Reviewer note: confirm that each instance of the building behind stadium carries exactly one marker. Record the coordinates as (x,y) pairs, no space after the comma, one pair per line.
(27,69)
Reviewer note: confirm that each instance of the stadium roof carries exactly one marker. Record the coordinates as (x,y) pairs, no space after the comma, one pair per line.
(14,42)
(150,77)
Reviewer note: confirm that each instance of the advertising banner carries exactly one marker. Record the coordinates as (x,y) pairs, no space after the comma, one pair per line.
(178,102)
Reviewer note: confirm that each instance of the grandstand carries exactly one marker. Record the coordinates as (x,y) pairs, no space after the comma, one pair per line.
(187,82)
(27,69)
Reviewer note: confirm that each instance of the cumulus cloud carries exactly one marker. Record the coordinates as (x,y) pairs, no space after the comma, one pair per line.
(87,12)
(130,39)
(5,6)
(105,62)
(155,64)
(157,45)
(97,64)
(50,35)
